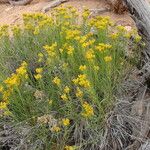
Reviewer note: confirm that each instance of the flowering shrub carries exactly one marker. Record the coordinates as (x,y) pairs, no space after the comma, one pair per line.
(60,73)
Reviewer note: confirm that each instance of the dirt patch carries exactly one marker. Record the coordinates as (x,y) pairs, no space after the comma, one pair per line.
(12,14)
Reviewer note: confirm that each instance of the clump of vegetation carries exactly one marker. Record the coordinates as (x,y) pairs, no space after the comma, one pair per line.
(59,75)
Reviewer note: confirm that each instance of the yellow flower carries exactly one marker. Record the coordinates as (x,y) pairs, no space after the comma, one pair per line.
(14,80)
(61,50)
(73,10)
(1,88)
(83,39)
(39,70)
(16,30)
(64,97)
(102,47)
(77,38)
(40,57)
(108,58)
(90,42)
(69,147)
(66,89)
(71,34)
(82,67)
(67,17)
(22,69)
(70,50)
(65,65)
(55,129)
(82,81)
(38,76)
(79,93)
(121,28)
(66,122)
(75,81)
(88,110)
(96,68)
(4,31)
(50,102)
(84,45)
(114,36)
(56,81)
(66,23)
(90,55)
(6,94)
(36,31)
(50,49)
(85,14)
(3,105)
(128,35)
(138,38)
(24,64)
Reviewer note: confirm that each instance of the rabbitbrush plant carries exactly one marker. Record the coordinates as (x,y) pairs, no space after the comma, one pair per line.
(59,75)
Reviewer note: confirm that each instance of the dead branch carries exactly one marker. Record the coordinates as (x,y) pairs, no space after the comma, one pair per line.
(19,3)
(52,5)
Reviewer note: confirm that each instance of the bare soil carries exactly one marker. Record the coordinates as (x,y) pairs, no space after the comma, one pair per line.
(12,14)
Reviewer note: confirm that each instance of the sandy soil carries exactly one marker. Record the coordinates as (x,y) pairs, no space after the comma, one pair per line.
(12,14)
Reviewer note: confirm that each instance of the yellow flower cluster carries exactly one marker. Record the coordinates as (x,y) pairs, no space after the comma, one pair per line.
(66,89)
(88,43)
(3,105)
(16,30)
(38,74)
(100,22)
(88,110)
(40,57)
(82,81)
(35,22)
(4,31)
(1,88)
(138,38)
(6,94)
(57,81)
(86,13)
(15,78)
(90,54)
(96,68)
(121,28)
(108,58)
(69,147)
(70,50)
(65,65)
(82,67)
(102,47)
(46,22)
(72,34)
(79,93)
(114,36)
(51,49)
(4,109)
(66,122)
(64,97)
